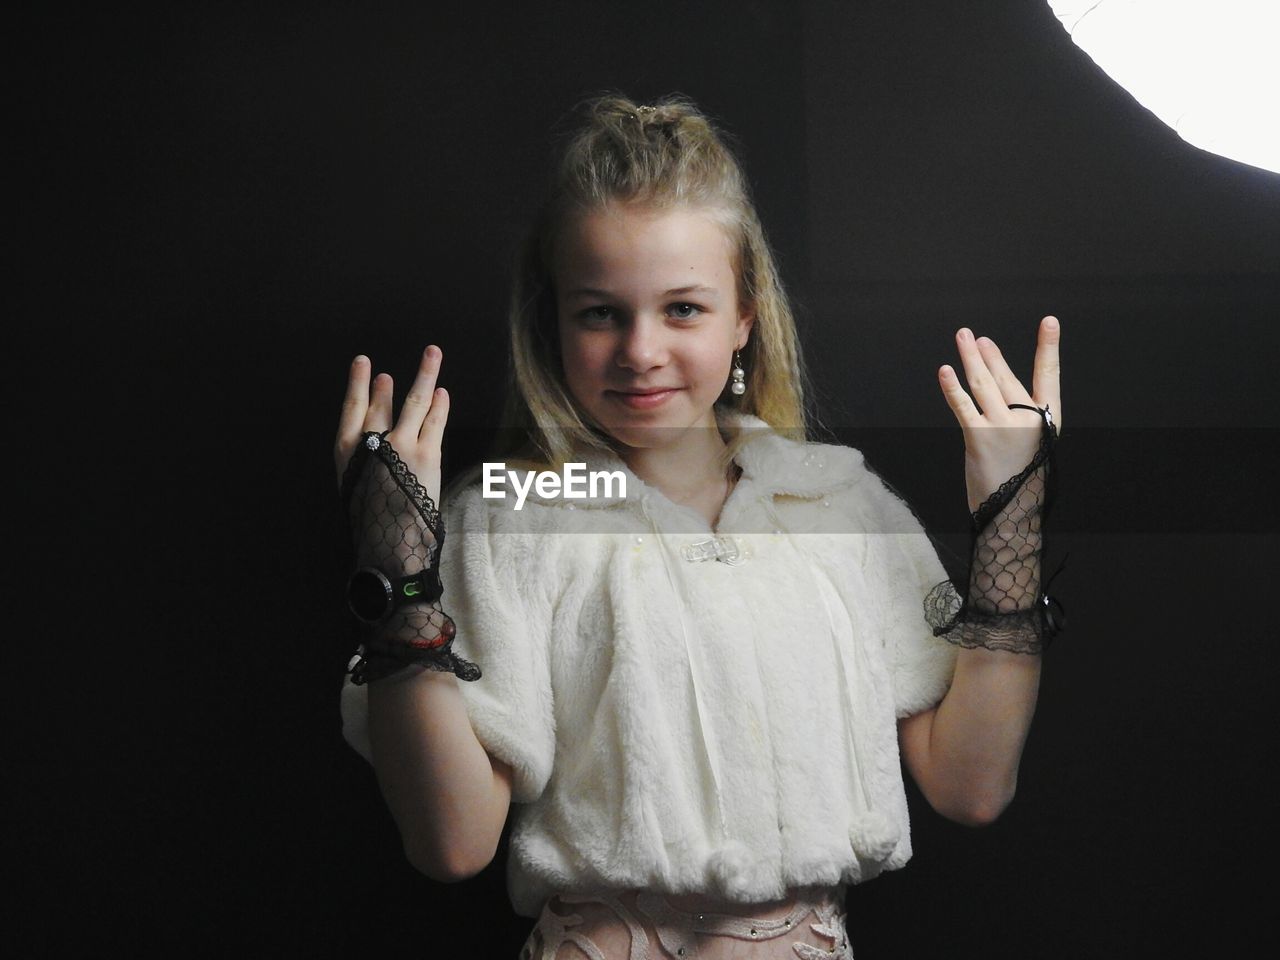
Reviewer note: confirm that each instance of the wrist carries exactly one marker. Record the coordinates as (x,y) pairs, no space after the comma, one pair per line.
(1004,606)
(375,595)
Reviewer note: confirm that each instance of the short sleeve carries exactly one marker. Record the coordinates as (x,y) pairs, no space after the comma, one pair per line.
(495,591)
(922,665)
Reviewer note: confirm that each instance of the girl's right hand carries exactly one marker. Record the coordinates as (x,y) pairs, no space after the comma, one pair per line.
(416,436)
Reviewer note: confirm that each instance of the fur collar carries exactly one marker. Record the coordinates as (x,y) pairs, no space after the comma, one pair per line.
(774,464)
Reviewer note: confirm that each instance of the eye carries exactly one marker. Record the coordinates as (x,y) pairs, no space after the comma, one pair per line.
(685,311)
(596,316)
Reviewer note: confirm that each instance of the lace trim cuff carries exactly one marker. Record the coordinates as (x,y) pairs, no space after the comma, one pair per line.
(1003,606)
(396,529)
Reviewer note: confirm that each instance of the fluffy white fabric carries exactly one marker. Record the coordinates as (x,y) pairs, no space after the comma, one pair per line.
(695,726)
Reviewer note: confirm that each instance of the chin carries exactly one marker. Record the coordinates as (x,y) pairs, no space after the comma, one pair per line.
(654,436)
(641,437)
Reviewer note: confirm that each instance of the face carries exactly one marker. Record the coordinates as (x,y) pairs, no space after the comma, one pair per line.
(649,319)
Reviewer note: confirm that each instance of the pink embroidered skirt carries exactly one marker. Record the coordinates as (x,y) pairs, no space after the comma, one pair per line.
(636,925)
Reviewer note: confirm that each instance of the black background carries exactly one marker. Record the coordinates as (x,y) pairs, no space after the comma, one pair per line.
(216,210)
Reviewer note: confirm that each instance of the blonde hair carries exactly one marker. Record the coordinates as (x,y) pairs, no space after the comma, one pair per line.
(665,155)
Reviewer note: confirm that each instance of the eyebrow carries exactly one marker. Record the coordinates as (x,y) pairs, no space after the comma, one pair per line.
(674,292)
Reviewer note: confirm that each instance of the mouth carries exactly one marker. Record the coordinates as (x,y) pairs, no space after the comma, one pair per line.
(643,399)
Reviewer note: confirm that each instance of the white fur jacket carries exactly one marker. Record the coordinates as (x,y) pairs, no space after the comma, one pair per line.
(693,725)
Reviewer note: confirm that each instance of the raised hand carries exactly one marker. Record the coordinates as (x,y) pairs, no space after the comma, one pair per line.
(391,487)
(1000,442)
(1008,473)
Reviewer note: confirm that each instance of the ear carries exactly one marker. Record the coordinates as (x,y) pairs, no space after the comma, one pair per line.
(746,320)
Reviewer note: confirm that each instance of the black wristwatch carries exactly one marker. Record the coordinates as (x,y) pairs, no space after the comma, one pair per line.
(373,596)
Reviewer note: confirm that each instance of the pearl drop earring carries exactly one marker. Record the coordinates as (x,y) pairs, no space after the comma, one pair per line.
(739,386)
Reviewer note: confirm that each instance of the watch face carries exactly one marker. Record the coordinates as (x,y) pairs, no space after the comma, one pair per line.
(369,595)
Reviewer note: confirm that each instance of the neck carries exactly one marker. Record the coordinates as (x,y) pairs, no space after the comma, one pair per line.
(684,468)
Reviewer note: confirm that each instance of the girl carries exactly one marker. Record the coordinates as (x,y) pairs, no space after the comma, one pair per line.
(693,692)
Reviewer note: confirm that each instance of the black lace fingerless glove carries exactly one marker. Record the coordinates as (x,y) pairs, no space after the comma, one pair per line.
(397,533)
(1004,606)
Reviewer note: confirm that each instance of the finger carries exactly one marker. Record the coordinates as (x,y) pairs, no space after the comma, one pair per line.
(1046,384)
(354,405)
(1011,388)
(433,426)
(986,393)
(378,417)
(959,401)
(417,401)
(432,437)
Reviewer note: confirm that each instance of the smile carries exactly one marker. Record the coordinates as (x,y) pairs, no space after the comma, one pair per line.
(643,401)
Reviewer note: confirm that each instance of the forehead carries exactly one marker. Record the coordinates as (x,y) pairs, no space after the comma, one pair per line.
(632,242)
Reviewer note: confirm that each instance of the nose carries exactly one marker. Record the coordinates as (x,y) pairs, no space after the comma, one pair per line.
(642,344)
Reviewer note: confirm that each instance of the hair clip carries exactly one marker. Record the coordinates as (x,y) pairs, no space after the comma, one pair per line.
(644,111)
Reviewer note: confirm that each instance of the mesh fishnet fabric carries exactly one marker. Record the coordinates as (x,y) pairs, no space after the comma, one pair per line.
(1004,607)
(397,529)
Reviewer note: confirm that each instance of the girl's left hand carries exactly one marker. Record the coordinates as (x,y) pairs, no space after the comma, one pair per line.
(998,442)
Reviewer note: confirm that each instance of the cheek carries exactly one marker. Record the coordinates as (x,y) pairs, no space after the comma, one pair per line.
(714,361)
(579,359)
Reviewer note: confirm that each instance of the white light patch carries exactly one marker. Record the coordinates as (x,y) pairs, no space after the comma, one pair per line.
(1207,68)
